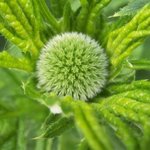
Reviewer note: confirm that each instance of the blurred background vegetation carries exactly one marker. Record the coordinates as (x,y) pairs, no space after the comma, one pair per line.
(13,103)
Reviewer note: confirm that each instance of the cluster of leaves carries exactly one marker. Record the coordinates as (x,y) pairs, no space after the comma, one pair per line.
(118,118)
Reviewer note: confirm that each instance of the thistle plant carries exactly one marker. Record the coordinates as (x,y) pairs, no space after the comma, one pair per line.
(73,55)
(72,64)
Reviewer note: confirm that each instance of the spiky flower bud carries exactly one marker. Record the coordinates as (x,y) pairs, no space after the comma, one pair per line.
(72,64)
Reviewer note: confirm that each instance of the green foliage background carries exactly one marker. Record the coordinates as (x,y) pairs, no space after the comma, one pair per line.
(22,112)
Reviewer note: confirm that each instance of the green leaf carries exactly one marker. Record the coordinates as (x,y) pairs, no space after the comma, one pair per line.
(20,25)
(8,61)
(48,16)
(89,126)
(88,16)
(57,7)
(135,85)
(56,126)
(21,140)
(75,5)
(121,129)
(124,40)
(52,118)
(66,20)
(139,64)
(83,145)
(132,8)
(87,122)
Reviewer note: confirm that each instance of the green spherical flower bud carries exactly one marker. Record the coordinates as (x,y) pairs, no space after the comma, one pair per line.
(72,64)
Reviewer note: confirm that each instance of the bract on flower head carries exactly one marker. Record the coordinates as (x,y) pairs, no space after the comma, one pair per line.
(72,64)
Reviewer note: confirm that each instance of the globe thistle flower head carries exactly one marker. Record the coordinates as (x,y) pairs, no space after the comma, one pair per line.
(72,64)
